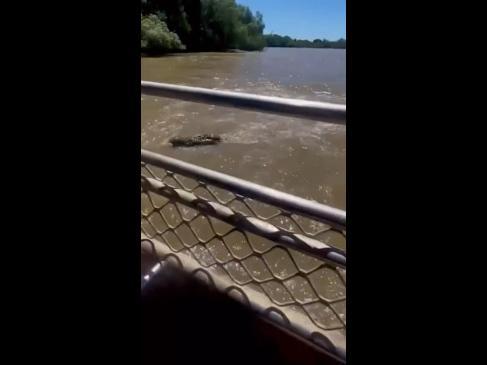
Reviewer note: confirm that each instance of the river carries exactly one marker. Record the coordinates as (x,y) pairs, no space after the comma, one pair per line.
(300,157)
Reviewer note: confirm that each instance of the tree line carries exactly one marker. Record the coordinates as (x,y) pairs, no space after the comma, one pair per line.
(275,40)
(210,25)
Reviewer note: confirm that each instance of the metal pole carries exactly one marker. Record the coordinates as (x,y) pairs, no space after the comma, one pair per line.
(314,110)
(332,216)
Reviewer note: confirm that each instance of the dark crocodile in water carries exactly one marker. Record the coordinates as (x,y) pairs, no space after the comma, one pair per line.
(204,139)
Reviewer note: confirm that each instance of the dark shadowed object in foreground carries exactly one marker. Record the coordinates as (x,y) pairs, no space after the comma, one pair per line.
(186,322)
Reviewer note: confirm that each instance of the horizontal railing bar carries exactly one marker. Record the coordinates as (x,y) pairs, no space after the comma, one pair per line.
(315,110)
(253,225)
(334,217)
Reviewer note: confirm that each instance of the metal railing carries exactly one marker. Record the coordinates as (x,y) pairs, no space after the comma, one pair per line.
(282,255)
(314,110)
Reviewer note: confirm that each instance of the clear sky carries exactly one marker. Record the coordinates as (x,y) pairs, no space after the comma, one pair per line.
(302,19)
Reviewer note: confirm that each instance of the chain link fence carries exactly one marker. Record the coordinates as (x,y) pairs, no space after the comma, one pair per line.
(287,265)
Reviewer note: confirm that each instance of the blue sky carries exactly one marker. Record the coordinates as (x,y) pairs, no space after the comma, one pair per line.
(302,19)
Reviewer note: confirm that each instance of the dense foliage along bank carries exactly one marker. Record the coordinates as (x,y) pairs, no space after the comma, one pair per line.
(156,36)
(206,25)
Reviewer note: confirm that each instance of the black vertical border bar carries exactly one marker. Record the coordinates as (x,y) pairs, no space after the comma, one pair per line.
(349,172)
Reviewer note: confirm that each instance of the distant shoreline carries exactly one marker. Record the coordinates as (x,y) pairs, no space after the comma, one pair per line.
(177,52)
(181,52)
(307,47)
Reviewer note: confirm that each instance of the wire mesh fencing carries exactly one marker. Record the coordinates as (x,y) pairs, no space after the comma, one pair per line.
(288,266)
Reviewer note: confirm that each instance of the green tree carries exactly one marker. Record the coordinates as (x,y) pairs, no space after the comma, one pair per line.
(156,37)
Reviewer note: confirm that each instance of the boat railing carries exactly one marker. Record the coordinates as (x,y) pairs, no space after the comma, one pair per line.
(282,255)
(314,110)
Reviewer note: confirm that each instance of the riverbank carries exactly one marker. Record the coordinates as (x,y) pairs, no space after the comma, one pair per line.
(186,52)
(183,52)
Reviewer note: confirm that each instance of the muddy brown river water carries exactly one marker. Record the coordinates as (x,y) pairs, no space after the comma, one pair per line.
(297,156)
